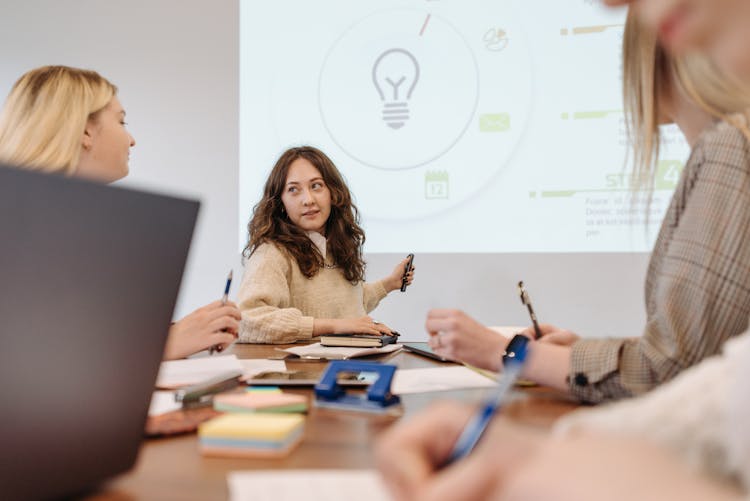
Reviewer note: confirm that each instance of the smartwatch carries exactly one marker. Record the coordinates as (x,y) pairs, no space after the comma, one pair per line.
(516,350)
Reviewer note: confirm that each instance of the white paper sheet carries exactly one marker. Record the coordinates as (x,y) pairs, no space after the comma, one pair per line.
(316,350)
(178,373)
(456,377)
(163,402)
(507,330)
(310,485)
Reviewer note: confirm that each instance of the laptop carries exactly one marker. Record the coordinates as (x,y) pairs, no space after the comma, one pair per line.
(89,275)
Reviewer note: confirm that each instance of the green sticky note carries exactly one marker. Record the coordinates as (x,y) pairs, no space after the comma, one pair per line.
(263,389)
(494,122)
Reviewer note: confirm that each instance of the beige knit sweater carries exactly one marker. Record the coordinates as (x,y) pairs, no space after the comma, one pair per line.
(278,303)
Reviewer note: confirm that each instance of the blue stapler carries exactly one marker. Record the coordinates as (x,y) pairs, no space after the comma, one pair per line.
(329,393)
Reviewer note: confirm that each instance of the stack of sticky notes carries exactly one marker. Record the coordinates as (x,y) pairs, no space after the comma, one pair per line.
(260,401)
(251,435)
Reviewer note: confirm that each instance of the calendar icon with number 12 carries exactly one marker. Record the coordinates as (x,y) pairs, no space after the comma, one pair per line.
(436,185)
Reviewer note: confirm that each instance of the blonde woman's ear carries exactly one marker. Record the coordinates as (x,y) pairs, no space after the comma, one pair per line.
(86,140)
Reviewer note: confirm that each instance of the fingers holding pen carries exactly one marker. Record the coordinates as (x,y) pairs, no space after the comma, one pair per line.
(225,324)
(552,334)
(410,453)
(221,340)
(401,276)
(217,310)
(408,278)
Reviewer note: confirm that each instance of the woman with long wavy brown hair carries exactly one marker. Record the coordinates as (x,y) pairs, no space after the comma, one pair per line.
(305,273)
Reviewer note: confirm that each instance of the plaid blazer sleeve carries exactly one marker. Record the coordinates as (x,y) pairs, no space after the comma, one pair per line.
(698,284)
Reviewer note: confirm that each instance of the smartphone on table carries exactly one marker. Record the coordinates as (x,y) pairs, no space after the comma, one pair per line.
(424,350)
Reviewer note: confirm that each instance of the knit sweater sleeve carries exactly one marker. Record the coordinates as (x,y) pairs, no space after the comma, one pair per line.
(372,294)
(265,301)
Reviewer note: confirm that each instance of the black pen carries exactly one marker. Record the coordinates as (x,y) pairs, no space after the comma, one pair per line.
(526,300)
(224,299)
(407,269)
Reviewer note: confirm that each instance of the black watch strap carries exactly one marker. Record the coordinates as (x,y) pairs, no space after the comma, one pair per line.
(516,349)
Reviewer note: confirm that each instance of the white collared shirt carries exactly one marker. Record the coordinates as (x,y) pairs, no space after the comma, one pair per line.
(319,241)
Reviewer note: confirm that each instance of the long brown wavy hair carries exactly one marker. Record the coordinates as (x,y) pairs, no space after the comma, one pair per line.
(271,224)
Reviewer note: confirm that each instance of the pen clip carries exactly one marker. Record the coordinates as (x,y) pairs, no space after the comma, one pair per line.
(523,294)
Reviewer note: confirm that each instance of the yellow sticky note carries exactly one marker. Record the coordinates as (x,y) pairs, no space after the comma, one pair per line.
(252,426)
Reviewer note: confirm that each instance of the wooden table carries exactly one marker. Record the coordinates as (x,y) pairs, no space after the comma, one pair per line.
(172,468)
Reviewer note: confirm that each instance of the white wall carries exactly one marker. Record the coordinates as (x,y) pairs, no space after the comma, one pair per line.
(176,64)
(596,295)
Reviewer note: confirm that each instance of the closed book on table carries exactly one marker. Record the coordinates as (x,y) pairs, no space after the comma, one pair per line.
(357,340)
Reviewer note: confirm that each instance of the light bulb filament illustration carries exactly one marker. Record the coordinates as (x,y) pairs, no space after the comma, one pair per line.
(392,69)
(395,86)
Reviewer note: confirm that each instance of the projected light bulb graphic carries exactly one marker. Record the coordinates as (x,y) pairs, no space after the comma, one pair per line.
(395,74)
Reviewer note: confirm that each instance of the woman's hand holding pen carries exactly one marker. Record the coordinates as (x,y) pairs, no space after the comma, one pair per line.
(395,279)
(213,324)
(410,455)
(515,463)
(457,336)
(552,335)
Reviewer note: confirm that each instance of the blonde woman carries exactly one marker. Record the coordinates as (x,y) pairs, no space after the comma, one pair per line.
(70,121)
(698,281)
(690,415)
(701,415)
(718,27)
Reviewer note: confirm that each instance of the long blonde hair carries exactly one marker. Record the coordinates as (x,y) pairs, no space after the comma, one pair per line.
(44,117)
(649,73)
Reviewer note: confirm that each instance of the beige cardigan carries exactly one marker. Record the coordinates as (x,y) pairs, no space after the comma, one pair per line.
(278,303)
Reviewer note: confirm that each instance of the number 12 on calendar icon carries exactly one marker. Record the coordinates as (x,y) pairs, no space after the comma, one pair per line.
(436,185)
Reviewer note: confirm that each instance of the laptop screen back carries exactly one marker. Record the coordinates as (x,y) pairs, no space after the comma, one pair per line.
(89,275)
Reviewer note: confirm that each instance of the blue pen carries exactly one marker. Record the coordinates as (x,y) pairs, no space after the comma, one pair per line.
(224,299)
(478,423)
